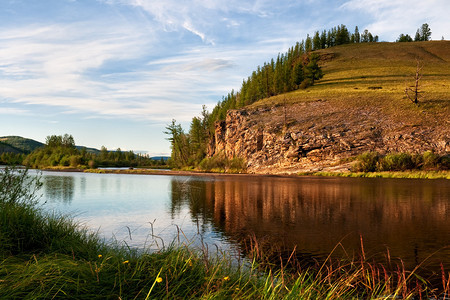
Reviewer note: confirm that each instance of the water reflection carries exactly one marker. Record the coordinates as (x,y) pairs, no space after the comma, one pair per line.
(59,188)
(408,217)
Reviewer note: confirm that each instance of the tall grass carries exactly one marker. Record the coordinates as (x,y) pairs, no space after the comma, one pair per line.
(46,256)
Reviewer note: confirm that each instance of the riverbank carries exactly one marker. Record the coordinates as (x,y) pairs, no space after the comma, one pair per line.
(46,256)
(138,171)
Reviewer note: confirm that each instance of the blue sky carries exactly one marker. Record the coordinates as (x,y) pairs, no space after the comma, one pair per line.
(116,72)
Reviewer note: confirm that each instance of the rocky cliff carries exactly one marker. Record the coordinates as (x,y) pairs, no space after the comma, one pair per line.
(320,136)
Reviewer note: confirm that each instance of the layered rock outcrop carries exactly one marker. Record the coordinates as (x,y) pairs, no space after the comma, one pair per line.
(316,136)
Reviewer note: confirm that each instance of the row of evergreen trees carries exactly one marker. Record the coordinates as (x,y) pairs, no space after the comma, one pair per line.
(423,34)
(298,68)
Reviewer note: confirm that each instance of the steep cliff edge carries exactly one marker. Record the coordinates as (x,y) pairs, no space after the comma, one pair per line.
(360,106)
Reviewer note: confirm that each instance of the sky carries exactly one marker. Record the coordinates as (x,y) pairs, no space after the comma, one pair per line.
(115,73)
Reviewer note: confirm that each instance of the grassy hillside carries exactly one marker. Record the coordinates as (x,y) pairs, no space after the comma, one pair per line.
(376,74)
(19,144)
(4,147)
(358,106)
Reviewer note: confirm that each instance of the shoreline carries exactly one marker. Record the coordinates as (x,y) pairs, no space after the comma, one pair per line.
(444,174)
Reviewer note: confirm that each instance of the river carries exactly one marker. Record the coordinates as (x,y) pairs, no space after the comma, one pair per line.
(407,219)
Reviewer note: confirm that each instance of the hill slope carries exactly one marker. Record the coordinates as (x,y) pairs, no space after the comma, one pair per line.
(19,144)
(358,106)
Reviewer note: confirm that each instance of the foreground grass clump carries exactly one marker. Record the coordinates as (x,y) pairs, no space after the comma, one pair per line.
(46,256)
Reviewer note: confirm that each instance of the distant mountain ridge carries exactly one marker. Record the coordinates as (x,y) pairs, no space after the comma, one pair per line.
(18,144)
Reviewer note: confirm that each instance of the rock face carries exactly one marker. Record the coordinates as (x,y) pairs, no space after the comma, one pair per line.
(314,136)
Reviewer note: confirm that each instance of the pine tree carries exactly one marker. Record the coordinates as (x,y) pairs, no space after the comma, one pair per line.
(417,37)
(316,41)
(323,39)
(308,43)
(357,35)
(312,70)
(425,32)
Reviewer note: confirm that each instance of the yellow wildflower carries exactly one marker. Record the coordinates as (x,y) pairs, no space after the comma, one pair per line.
(159,279)
(100,256)
(226,278)
(189,262)
(127,261)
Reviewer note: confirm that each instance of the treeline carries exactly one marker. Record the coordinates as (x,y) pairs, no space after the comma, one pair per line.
(11,158)
(298,68)
(423,34)
(61,151)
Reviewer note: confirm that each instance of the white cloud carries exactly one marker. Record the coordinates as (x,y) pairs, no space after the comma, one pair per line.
(64,66)
(389,18)
(13,111)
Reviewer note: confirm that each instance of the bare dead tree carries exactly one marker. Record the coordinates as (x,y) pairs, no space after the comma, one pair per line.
(413,92)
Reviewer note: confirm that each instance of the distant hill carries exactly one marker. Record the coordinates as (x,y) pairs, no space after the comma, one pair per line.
(89,150)
(8,148)
(165,158)
(17,144)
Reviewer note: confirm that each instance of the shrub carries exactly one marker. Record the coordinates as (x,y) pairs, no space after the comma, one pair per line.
(430,160)
(367,162)
(237,165)
(75,160)
(444,162)
(65,161)
(396,162)
(219,163)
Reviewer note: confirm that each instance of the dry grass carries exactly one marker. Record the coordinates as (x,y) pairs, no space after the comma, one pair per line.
(376,74)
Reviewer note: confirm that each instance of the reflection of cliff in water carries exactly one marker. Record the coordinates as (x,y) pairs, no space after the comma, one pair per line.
(410,217)
(59,188)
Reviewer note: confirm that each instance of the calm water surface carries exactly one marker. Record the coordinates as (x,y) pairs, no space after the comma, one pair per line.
(410,218)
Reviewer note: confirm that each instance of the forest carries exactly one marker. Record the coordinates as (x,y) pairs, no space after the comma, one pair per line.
(60,151)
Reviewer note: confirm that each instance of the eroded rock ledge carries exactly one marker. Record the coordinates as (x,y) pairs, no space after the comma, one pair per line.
(315,136)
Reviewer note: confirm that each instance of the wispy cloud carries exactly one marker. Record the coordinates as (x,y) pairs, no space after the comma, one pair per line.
(390,18)
(13,111)
(148,61)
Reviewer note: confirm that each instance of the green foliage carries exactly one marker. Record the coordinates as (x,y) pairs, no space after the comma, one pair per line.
(22,145)
(396,162)
(312,70)
(423,34)
(26,228)
(60,151)
(404,38)
(219,163)
(367,162)
(374,162)
(11,159)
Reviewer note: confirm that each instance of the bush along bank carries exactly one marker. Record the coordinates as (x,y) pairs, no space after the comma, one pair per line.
(48,256)
(375,162)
